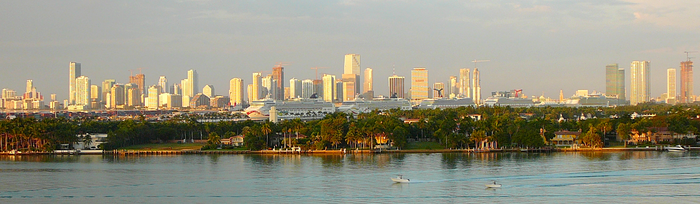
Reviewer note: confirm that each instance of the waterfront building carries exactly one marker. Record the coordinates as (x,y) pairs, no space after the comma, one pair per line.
(74,72)
(419,84)
(295,88)
(640,85)
(671,86)
(208,90)
(396,84)
(235,92)
(367,88)
(278,86)
(687,82)
(163,84)
(615,82)
(329,88)
(464,83)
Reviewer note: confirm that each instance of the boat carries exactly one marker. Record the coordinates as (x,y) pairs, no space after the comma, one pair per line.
(400,179)
(290,109)
(493,185)
(358,105)
(677,148)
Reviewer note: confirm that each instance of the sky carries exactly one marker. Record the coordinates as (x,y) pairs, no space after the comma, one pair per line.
(538,46)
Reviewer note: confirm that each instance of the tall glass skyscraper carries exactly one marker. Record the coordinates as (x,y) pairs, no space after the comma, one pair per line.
(615,81)
(73,72)
(640,86)
(686,82)
(419,83)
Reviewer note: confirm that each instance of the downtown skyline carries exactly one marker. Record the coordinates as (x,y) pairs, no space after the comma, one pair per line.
(538,55)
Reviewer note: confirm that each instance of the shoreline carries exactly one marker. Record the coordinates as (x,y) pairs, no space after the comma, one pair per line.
(317,152)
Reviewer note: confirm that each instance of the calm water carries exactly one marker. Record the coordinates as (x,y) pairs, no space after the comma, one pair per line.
(627,177)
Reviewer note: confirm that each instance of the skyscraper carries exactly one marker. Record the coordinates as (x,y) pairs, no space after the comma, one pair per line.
(106,89)
(74,72)
(257,86)
(615,81)
(352,66)
(163,84)
(640,86)
(307,88)
(278,77)
(476,81)
(419,83)
(153,97)
(464,83)
(349,87)
(235,91)
(367,88)
(338,89)
(295,88)
(453,90)
(250,93)
(438,90)
(82,91)
(193,83)
(95,93)
(318,88)
(208,90)
(671,86)
(117,96)
(396,86)
(329,88)
(686,82)
(140,81)
(30,86)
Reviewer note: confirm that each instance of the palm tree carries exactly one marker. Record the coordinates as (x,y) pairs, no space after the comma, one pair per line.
(266,130)
(87,140)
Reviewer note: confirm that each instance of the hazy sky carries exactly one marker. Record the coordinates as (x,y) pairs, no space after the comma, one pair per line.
(537,46)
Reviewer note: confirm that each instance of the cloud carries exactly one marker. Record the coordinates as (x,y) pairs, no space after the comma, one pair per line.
(243,17)
(678,14)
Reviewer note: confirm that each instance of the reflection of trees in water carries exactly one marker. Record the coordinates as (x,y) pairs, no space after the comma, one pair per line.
(596,155)
(638,155)
(41,158)
(214,158)
(378,160)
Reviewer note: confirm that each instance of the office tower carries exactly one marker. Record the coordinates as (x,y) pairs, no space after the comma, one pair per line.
(153,97)
(438,90)
(318,88)
(193,79)
(140,81)
(278,77)
(95,93)
(133,96)
(163,84)
(453,90)
(476,81)
(235,91)
(686,82)
(396,86)
(107,88)
(53,97)
(615,81)
(464,83)
(268,90)
(671,86)
(307,88)
(419,83)
(286,93)
(338,90)
(208,90)
(250,93)
(74,72)
(257,86)
(184,87)
(640,86)
(329,91)
(295,88)
(352,66)
(30,86)
(349,87)
(176,89)
(82,91)
(367,88)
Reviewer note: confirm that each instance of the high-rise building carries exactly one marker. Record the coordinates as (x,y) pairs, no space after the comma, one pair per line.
(133,95)
(163,84)
(438,90)
(396,86)
(235,91)
(338,90)
(74,72)
(453,90)
(30,86)
(615,81)
(107,88)
(208,90)
(268,84)
(82,91)
(250,93)
(307,88)
(257,87)
(95,93)
(153,97)
(318,88)
(464,83)
(352,66)
(686,82)
(349,87)
(671,86)
(476,81)
(640,86)
(116,96)
(419,83)
(278,77)
(190,86)
(329,91)
(367,88)
(140,81)
(295,89)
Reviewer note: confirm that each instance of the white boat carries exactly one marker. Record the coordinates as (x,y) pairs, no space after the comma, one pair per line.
(493,185)
(358,105)
(290,109)
(400,179)
(677,148)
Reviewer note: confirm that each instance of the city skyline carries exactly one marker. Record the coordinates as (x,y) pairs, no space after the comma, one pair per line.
(523,37)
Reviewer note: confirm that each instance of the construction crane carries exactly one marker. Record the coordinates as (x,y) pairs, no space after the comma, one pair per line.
(476,61)
(316,68)
(281,64)
(687,55)
(131,71)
